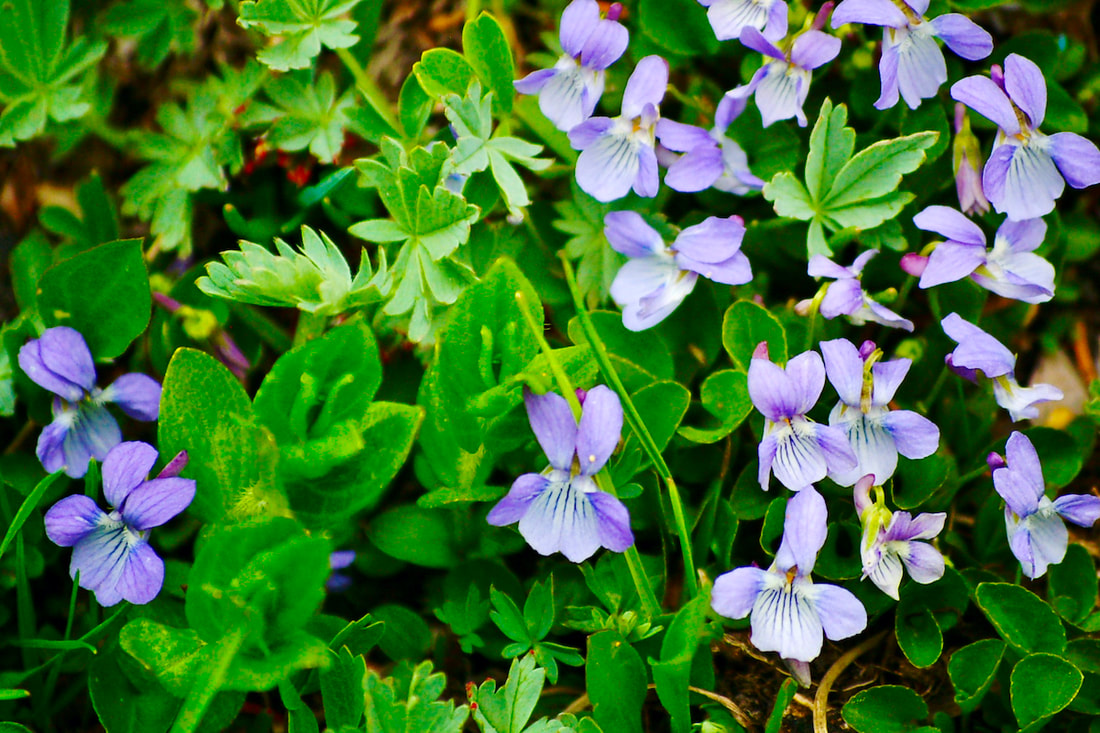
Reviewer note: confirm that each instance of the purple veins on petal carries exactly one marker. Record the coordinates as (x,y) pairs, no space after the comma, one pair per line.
(846,296)
(60,362)
(729,17)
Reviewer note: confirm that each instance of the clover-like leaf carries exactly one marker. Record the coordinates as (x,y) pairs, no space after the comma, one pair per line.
(302,26)
(305,115)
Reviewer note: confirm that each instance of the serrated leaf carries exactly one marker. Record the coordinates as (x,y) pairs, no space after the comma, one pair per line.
(302,26)
(877,170)
(831,146)
(508,709)
(305,115)
(160,28)
(789,197)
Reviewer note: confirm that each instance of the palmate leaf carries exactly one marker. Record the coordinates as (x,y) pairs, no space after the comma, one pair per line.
(508,709)
(304,115)
(303,27)
(477,148)
(38,69)
(430,221)
(160,28)
(843,191)
(582,220)
(316,280)
(408,700)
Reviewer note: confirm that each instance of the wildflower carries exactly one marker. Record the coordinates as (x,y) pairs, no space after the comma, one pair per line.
(710,158)
(1011,269)
(111,549)
(338,582)
(977,351)
(1027,170)
(912,63)
(890,541)
(657,278)
(82,428)
(568,92)
(1035,524)
(617,154)
(967,162)
(561,509)
(782,85)
(789,612)
(846,297)
(876,434)
(800,450)
(729,17)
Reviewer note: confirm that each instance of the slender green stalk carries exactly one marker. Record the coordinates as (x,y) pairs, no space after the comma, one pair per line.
(637,425)
(55,671)
(370,91)
(603,478)
(310,326)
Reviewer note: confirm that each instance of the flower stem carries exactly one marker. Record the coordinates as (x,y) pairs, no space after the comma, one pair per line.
(370,91)
(821,699)
(637,425)
(603,478)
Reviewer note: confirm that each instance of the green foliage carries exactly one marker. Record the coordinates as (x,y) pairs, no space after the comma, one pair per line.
(302,28)
(1073,585)
(508,709)
(407,701)
(305,114)
(315,280)
(1042,685)
(38,70)
(616,682)
(843,191)
(672,674)
(747,324)
(582,220)
(885,709)
(973,669)
(161,28)
(1022,619)
(429,221)
(103,293)
(477,148)
(528,630)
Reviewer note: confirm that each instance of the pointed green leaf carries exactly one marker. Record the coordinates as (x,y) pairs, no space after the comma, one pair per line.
(831,146)
(877,170)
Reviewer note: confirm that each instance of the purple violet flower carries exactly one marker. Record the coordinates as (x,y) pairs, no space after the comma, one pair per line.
(789,612)
(82,428)
(561,509)
(111,549)
(1027,170)
(1011,269)
(618,154)
(1036,530)
(729,17)
(568,92)
(967,162)
(657,277)
(875,433)
(846,296)
(339,582)
(891,541)
(710,158)
(782,85)
(977,351)
(912,63)
(799,450)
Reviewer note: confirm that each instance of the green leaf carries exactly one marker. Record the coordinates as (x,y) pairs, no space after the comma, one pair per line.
(689,35)
(125,703)
(305,114)
(1022,619)
(831,146)
(205,411)
(972,670)
(316,280)
(173,655)
(783,698)
(1042,685)
(26,508)
(486,48)
(405,634)
(160,28)
(885,709)
(342,690)
(103,293)
(98,220)
(725,395)
(918,634)
(672,674)
(302,27)
(507,710)
(1072,584)
(423,537)
(582,221)
(408,701)
(442,71)
(616,682)
(877,170)
(744,326)
(789,196)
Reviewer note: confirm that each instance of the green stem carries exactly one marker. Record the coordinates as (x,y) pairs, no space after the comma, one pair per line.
(603,478)
(370,91)
(976,473)
(637,425)
(207,685)
(310,326)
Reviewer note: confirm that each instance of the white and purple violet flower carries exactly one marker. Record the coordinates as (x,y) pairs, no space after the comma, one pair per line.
(977,351)
(709,158)
(782,85)
(561,509)
(658,277)
(618,154)
(846,296)
(892,541)
(912,63)
(1011,269)
(111,550)
(1036,530)
(82,427)
(1027,170)
(790,614)
(729,17)
(568,91)
(800,451)
(876,434)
